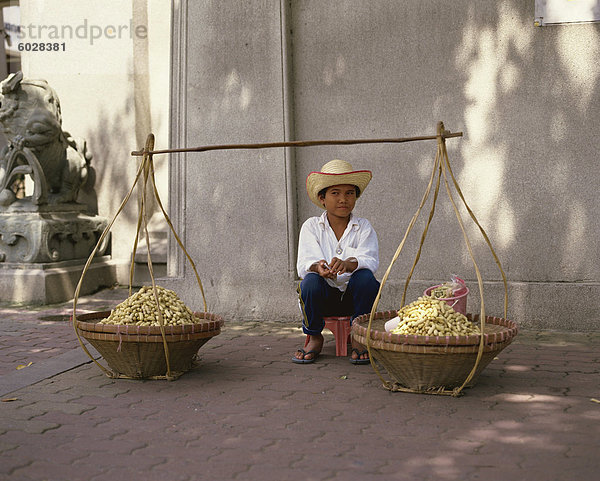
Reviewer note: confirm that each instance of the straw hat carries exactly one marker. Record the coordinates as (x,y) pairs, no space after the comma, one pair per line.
(335,172)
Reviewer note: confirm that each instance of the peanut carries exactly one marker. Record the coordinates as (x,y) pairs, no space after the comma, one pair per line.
(140,309)
(430,316)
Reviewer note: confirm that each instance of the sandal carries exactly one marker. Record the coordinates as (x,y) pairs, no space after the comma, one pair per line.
(358,360)
(304,353)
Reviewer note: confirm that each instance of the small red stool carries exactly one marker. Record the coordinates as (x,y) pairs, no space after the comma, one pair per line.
(340,327)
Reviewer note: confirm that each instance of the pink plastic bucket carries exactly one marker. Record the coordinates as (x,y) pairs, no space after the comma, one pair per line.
(458,302)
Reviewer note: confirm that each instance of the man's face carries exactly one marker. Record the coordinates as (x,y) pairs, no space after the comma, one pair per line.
(339,200)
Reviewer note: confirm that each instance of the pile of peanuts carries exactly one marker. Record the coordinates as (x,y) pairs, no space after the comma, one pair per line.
(428,316)
(140,309)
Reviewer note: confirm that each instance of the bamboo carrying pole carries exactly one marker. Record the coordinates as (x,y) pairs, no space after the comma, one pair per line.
(295,143)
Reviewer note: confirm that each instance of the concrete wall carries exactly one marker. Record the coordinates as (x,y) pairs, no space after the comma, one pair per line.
(522,95)
(231,206)
(526,98)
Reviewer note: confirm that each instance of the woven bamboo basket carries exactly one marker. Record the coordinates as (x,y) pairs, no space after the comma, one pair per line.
(137,352)
(162,351)
(429,364)
(432,363)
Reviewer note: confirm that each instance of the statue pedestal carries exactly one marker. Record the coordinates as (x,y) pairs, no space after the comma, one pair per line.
(49,233)
(43,250)
(53,282)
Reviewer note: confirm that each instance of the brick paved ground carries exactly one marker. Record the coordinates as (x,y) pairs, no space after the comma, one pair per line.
(248,413)
(34,334)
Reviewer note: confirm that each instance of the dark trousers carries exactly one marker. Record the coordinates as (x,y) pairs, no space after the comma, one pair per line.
(318,299)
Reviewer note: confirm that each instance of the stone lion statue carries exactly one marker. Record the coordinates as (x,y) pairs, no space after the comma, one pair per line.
(31,120)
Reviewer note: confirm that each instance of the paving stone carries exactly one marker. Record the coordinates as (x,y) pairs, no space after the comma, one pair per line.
(33,426)
(48,470)
(42,407)
(332,461)
(157,473)
(215,469)
(7,446)
(11,463)
(55,452)
(502,472)
(269,470)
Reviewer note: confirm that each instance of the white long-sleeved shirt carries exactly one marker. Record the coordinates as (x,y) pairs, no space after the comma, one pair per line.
(317,241)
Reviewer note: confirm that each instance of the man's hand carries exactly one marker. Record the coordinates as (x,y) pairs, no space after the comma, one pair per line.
(338,266)
(323,269)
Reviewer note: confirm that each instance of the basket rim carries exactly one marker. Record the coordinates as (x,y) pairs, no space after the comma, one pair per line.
(432,349)
(508,331)
(214,323)
(170,338)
